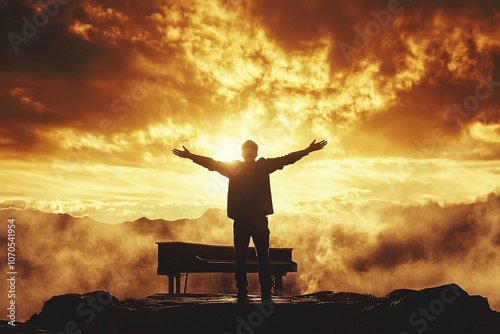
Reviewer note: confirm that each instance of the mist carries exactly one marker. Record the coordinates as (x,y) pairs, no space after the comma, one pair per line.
(367,247)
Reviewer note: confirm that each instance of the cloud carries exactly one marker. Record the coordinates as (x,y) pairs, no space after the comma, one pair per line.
(365,246)
(430,57)
(105,70)
(73,78)
(94,102)
(392,245)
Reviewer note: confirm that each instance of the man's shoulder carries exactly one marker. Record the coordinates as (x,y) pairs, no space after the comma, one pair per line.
(233,167)
(263,161)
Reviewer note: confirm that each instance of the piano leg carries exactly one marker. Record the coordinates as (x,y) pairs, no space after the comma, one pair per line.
(278,285)
(178,283)
(170,284)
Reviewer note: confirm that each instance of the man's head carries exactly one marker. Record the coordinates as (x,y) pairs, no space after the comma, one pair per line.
(249,150)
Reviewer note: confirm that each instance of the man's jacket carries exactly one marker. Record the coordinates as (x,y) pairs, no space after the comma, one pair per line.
(249,193)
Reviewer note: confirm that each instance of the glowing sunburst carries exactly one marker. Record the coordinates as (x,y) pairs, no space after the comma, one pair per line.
(227,149)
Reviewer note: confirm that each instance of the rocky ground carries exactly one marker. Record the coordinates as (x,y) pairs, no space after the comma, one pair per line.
(443,309)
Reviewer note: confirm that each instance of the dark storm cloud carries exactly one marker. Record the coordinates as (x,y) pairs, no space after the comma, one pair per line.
(90,53)
(293,24)
(429,114)
(75,79)
(446,49)
(44,49)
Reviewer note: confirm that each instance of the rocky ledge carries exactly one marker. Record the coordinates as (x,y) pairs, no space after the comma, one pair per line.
(443,309)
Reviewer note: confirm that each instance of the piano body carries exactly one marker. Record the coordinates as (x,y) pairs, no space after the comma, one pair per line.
(176,258)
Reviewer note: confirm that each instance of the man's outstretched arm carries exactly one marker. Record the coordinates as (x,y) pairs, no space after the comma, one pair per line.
(316,146)
(206,162)
(183,154)
(279,163)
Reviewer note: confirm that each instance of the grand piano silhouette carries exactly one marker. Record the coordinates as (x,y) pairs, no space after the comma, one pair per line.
(176,258)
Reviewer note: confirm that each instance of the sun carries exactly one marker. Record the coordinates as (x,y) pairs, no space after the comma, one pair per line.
(227,148)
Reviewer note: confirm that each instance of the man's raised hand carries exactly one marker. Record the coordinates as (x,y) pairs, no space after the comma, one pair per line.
(183,154)
(316,146)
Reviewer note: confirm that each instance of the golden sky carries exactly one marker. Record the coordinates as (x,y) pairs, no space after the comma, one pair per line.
(92,103)
(94,95)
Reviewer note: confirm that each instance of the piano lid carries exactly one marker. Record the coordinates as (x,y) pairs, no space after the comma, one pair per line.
(194,244)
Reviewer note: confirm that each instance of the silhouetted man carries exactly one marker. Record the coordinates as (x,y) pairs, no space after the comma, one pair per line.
(248,204)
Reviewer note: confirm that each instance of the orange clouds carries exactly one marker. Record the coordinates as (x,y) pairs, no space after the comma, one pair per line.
(218,60)
(92,105)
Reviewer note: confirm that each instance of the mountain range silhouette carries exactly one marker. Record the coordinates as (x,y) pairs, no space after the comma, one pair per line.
(69,258)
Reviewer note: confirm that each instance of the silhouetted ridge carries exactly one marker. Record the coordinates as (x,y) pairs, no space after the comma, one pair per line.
(443,309)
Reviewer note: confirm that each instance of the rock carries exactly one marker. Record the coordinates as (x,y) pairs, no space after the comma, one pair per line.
(443,309)
(72,312)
